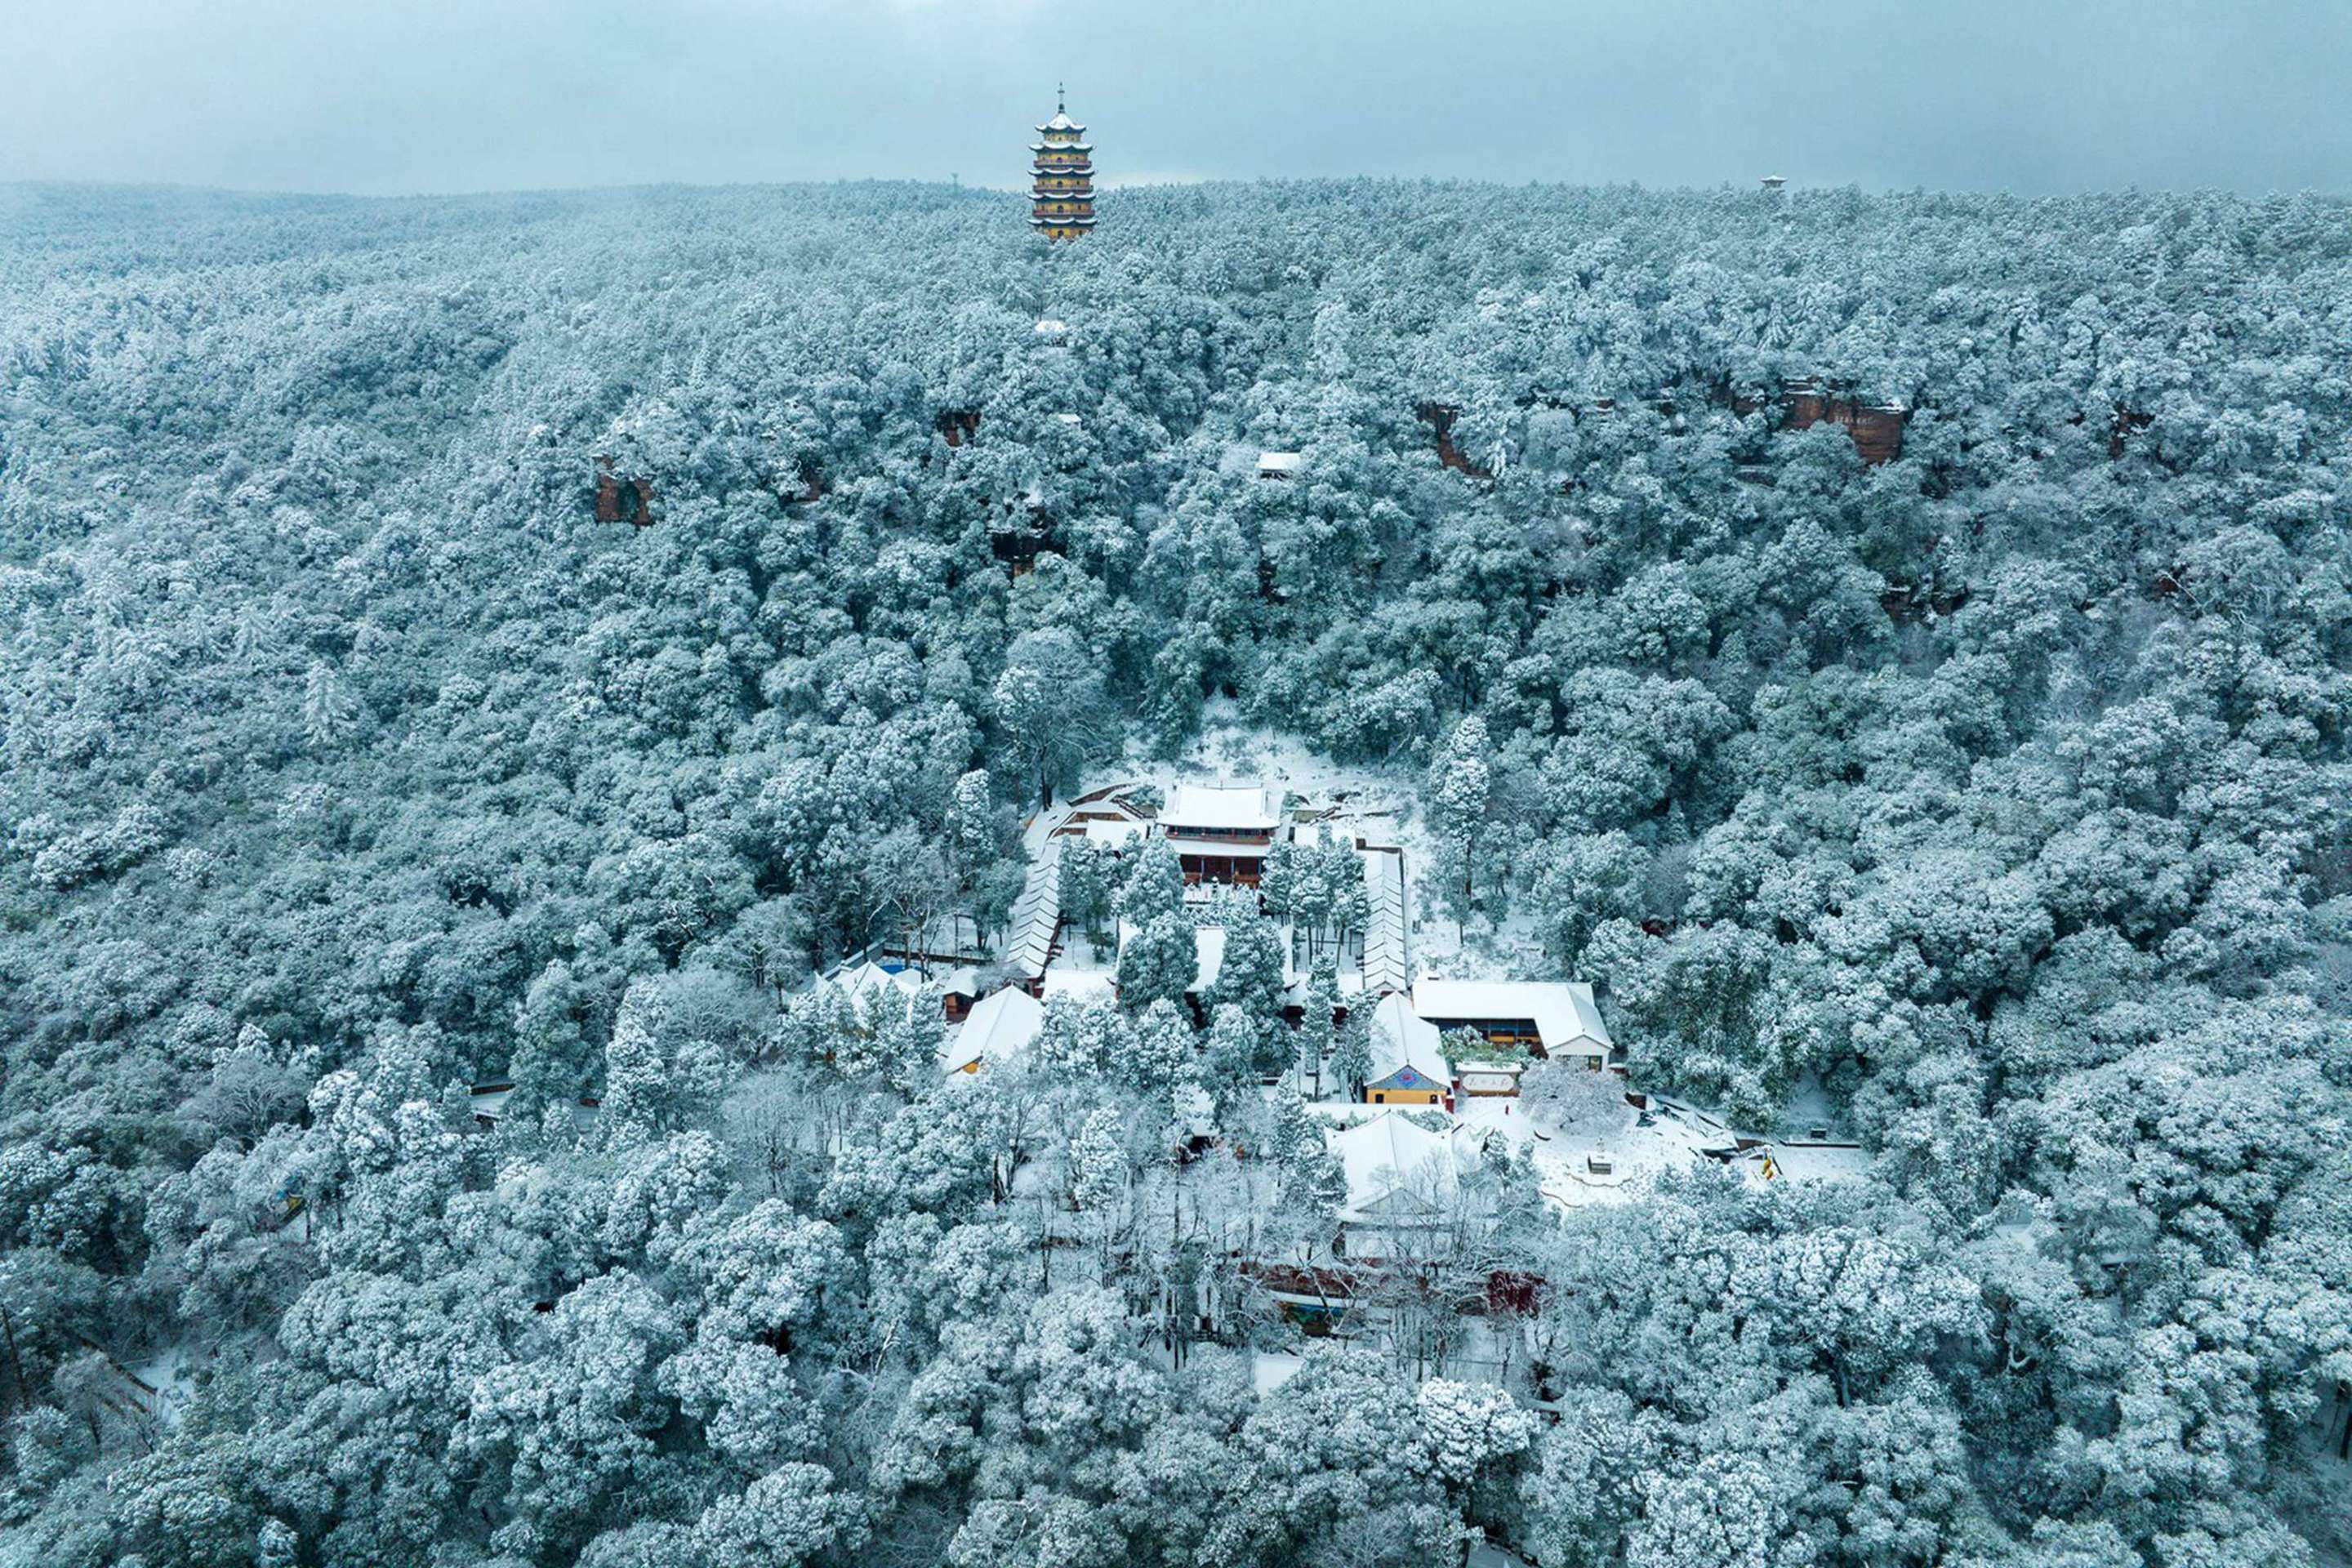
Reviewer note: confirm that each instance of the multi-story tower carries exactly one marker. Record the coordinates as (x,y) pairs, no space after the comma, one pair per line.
(1063,199)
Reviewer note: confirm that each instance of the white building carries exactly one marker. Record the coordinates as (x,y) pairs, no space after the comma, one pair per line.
(1546,1018)
(1385,951)
(1404,1183)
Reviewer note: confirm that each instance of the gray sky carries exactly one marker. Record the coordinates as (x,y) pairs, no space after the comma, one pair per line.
(402,96)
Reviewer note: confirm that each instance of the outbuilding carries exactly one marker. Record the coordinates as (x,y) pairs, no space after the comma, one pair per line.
(1544,1018)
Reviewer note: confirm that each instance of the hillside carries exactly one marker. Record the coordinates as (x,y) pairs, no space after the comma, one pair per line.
(1895,648)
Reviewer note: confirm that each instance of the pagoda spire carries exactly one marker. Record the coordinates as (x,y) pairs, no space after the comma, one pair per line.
(1062,175)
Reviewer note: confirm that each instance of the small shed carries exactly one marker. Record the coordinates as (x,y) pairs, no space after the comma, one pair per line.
(1279,465)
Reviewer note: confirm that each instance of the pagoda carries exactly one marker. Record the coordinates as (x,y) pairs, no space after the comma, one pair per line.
(1064,195)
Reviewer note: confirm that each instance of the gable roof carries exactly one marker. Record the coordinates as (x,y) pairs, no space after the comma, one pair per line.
(999,1027)
(872,976)
(1401,1040)
(1083,984)
(1235,807)
(1388,1157)
(1563,1012)
(1037,915)
(1384,934)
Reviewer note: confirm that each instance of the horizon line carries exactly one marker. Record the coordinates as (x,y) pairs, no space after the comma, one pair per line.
(1178,182)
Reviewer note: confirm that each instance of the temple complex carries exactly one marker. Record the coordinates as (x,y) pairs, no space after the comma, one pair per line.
(1063,197)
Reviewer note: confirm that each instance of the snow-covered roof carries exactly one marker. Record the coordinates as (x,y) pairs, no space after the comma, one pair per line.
(999,1027)
(872,976)
(1389,1154)
(1230,807)
(1384,934)
(960,982)
(1401,1040)
(1047,326)
(1038,913)
(1280,462)
(1086,985)
(1069,418)
(1565,1015)
(1113,833)
(488,1102)
(1061,121)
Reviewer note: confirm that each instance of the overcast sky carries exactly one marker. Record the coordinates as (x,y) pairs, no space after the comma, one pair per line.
(399,96)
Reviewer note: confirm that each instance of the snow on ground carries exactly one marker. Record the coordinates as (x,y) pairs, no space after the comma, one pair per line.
(171,1373)
(1227,751)
(1668,1135)
(1378,804)
(1564,1161)
(1381,802)
(1271,1369)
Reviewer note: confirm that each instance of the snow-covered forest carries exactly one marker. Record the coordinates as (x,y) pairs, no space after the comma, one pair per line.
(519,641)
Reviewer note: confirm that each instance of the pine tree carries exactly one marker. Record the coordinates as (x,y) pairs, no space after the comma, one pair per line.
(1316,1031)
(1155,883)
(972,827)
(1249,977)
(1158,963)
(1460,787)
(1353,1060)
(1326,1190)
(1156,1047)
(1098,1162)
(329,714)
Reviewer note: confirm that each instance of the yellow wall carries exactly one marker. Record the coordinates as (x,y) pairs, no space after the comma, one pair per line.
(1403,1096)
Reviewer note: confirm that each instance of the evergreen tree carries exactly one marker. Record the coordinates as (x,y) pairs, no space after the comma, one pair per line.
(1461,792)
(1158,963)
(1352,1061)
(1154,888)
